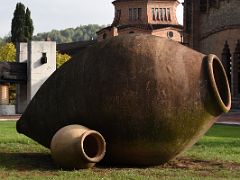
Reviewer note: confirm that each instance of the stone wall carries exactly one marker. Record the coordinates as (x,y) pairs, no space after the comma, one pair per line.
(124,7)
(217,19)
(143,24)
(168,4)
(146,11)
(218,25)
(107,33)
(133,30)
(214,44)
(165,34)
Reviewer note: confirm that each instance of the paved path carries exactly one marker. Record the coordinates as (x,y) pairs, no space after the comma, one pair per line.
(10,118)
(233,118)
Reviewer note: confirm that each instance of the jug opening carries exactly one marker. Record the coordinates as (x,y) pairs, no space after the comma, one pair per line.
(219,83)
(93,145)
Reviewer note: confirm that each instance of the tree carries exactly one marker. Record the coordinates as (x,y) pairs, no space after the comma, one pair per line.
(28,25)
(81,33)
(18,24)
(8,52)
(22,25)
(62,58)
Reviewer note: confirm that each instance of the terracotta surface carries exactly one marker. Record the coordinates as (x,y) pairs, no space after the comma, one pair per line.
(149,97)
(76,147)
(232,117)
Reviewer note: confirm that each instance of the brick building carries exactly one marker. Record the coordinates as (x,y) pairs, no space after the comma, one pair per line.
(156,17)
(213,26)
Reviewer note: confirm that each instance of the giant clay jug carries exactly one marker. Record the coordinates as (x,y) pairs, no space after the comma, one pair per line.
(149,97)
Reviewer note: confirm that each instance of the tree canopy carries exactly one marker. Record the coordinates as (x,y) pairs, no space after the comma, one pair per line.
(22,25)
(8,52)
(28,25)
(1,41)
(61,59)
(81,33)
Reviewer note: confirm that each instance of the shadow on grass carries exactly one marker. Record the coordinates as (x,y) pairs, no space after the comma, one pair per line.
(27,161)
(43,163)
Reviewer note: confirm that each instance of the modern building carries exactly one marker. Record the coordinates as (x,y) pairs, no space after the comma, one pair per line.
(156,17)
(36,61)
(213,26)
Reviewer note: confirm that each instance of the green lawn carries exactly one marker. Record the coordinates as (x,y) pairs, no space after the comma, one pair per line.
(215,156)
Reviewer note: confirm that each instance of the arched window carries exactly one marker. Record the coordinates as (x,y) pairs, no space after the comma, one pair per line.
(170,34)
(104,36)
(135,14)
(168,14)
(213,3)
(203,5)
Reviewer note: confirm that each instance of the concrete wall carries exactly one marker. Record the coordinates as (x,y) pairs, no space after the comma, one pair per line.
(7,110)
(21,89)
(37,72)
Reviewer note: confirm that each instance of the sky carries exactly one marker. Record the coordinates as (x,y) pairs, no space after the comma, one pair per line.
(61,14)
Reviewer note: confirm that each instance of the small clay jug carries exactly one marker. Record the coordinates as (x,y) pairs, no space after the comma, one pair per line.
(76,147)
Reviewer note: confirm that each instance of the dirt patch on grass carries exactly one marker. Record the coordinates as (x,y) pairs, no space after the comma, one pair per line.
(195,164)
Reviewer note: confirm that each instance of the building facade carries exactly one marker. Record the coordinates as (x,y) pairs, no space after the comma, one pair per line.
(213,26)
(156,17)
(209,23)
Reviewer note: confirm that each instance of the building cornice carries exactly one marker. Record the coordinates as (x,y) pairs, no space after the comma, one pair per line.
(143,26)
(219,29)
(119,1)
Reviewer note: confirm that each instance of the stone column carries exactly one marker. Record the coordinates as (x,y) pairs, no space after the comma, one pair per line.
(195,25)
(21,89)
(4,94)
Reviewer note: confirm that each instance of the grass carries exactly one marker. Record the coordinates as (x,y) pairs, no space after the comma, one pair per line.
(215,156)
